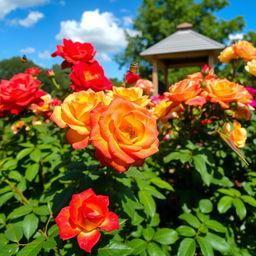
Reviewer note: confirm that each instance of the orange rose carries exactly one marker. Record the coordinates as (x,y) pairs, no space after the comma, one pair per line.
(238,135)
(132,94)
(145,85)
(123,134)
(75,114)
(186,91)
(245,50)
(223,91)
(251,67)
(227,55)
(166,109)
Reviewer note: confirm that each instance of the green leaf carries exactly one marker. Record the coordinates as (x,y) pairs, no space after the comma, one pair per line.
(215,225)
(148,202)
(205,246)
(4,198)
(14,232)
(187,247)
(155,220)
(200,166)
(8,249)
(41,210)
(148,233)
(29,224)
(32,171)
(154,250)
(190,219)
(186,230)
(161,184)
(224,204)
(14,175)
(33,248)
(240,208)
(218,243)
(205,205)
(24,152)
(137,245)
(114,249)
(172,156)
(22,210)
(154,192)
(166,236)
(50,243)
(53,230)
(249,200)
(36,155)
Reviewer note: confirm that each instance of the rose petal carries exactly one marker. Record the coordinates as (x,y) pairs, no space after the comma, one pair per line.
(77,140)
(67,228)
(87,240)
(110,223)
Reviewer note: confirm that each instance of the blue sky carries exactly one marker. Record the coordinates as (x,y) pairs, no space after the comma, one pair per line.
(34,27)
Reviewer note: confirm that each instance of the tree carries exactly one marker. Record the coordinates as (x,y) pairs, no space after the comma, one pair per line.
(158,19)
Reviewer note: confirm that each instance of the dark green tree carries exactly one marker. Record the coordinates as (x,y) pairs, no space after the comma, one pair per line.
(158,19)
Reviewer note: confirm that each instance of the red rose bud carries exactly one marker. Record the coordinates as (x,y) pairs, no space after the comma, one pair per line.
(86,213)
(131,78)
(50,73)
(34,71)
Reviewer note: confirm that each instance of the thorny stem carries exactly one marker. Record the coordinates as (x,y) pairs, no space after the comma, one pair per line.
(17,191)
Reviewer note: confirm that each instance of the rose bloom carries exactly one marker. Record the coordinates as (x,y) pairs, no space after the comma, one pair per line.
(74,52)
(227,55)
(132,94)
(89,75)
(251,67)
(131,78)
(18,93)
(245,50)
(238,135)
(123,134)
(223,91)
(199,76)
(145,85)
(17,126)
(50,73)
(34,71)
(45,105)
(86,213)
(74,113)
(166,109)
(187,91)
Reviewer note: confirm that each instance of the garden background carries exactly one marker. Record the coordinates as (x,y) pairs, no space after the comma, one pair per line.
(195,196)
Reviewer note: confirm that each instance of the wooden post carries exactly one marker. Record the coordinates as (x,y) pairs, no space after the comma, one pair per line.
(166,78)
(155,77)
(211,61)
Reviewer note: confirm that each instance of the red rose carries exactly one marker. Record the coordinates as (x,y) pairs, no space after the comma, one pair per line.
(34,71)
(89,75)
(74,52)
(85,214)
(131,78)
(19,92)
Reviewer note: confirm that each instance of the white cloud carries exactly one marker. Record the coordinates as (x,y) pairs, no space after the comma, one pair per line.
(100,29)
(30,20)
(28,50)
(235,36)
(6,6)
(127,20)
(103,57)
(44,55)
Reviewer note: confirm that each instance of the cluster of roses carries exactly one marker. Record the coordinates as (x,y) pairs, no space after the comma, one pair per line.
(241,50)
(22,91)
(203,88)
(115,120)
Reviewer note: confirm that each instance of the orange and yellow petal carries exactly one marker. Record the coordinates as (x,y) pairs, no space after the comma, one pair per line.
(78,141)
